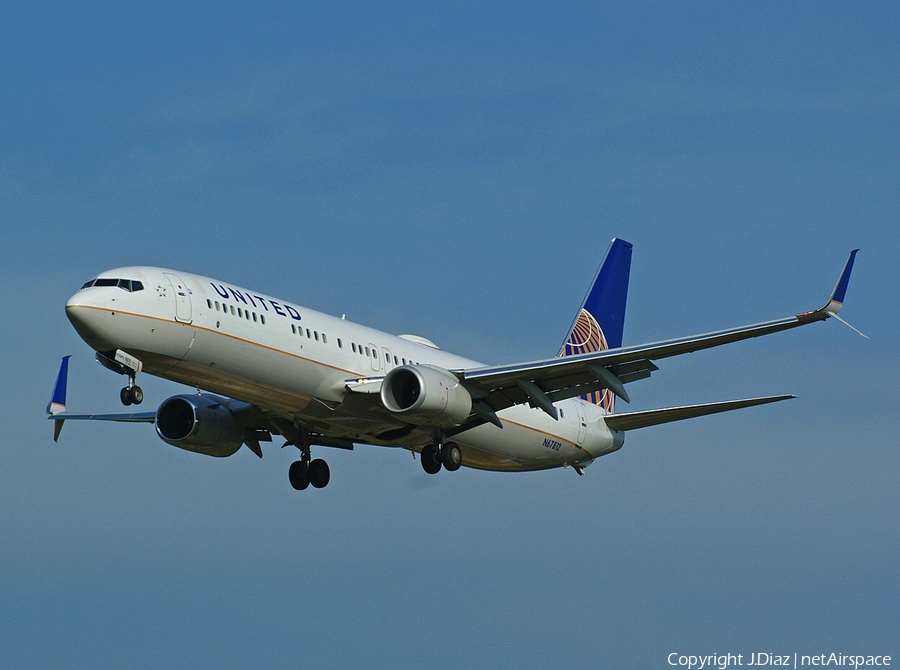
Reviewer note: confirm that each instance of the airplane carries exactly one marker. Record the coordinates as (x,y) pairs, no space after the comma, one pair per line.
(263,366)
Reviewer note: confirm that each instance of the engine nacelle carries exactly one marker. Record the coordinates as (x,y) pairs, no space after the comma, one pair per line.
(199,423)
(426,396)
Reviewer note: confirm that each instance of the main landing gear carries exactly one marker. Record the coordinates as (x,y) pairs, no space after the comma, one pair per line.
(303,473)
(437,455)
(307,470)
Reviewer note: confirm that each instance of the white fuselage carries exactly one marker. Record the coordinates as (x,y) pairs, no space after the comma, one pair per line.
(297,363)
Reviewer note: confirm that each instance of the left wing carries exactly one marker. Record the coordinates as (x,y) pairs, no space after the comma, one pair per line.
(257,424)
(541,383)
(57,406)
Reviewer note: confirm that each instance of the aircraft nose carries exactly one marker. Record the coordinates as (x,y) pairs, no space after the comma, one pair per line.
(86,311)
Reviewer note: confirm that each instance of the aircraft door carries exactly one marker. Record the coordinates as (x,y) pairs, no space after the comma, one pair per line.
(388,359)
(582,424)
(182,298)
(375,360)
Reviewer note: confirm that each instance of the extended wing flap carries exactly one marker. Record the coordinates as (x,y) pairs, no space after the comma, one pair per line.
(654,417)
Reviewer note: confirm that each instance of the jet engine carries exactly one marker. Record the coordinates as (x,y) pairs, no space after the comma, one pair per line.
(427,396)
(199,423)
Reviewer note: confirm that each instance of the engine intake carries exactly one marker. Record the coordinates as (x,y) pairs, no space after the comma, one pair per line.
(426,396)
(200,424)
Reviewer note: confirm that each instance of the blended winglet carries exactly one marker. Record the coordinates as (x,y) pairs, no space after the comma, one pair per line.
(57,404)
(837,296)
(840,289)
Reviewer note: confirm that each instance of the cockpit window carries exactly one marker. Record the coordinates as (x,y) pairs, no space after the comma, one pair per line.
(129,285)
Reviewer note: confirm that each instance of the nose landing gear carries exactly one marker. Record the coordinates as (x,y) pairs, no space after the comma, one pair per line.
(128,365)
(131,394)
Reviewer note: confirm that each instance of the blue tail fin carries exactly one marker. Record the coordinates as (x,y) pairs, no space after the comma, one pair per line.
(600,321)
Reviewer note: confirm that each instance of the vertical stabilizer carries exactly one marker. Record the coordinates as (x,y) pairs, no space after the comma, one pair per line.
(600,321)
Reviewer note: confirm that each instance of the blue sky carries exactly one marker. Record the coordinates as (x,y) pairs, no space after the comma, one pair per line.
(457,171)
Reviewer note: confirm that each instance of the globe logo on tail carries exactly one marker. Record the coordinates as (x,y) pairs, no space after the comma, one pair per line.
(587,337)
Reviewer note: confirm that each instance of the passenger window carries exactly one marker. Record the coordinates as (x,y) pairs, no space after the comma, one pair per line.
(324,339)
(217,305)
(316,333)
(367,351)
(262,319)
(239,313)
(232,310)
(353,346)
(209,303)
(254,317)
(340,344)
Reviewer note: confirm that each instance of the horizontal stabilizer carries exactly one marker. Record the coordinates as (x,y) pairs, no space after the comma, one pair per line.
(653,417)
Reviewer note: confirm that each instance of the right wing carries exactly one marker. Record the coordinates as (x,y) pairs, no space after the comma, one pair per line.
(541,383)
